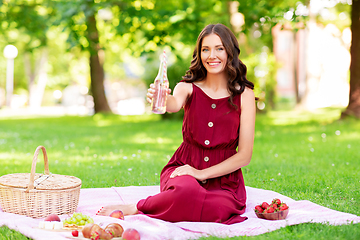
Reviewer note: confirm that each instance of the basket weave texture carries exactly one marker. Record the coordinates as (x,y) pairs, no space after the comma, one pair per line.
(20,193)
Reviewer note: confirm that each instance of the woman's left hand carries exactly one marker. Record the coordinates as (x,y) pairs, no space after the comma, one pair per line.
(187,170)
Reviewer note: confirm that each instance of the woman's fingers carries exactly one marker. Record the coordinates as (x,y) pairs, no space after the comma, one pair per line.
(149,97)
(183,170)
(150,93)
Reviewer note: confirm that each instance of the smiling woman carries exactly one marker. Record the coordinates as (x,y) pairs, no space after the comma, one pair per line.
(203,181)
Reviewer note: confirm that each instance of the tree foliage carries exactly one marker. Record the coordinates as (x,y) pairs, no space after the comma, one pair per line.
(120,28)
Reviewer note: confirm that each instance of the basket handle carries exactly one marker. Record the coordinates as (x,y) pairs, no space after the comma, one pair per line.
(33,166)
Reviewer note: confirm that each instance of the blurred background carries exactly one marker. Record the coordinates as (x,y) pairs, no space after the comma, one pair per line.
(82,57)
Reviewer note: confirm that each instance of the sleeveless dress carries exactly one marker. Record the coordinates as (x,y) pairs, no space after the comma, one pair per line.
(210,135)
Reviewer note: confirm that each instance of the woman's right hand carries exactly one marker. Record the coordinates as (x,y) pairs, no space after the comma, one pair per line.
(150,93)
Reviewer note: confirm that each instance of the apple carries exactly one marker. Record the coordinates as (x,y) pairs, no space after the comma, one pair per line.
(131,234)
(52,218)
(117,214)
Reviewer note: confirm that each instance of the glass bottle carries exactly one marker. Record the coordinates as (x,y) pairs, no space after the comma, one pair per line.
(158,104)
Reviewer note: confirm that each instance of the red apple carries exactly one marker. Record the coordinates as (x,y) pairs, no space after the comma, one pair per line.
(131,234)
(52,218)
(117,214)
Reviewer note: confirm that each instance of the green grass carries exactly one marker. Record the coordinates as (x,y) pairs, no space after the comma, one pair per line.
(305,156)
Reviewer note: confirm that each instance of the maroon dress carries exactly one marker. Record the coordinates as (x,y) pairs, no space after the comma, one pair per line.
(210,135)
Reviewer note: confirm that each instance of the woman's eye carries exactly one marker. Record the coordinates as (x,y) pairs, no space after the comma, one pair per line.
(205,50)
(220,49)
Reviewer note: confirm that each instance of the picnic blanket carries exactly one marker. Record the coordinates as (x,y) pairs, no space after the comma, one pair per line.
(91,200)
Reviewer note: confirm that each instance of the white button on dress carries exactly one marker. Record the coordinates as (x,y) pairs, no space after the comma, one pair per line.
(210,124)
(213,106)
(207,142)
(206,159)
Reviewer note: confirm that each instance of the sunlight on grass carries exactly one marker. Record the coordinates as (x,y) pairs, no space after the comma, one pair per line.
(294,116)
(302,155)
(144,138)
(103,120)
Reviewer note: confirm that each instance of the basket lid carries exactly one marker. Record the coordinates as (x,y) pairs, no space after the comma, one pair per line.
(49,182)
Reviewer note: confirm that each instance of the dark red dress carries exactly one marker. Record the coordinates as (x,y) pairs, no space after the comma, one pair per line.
(210,135)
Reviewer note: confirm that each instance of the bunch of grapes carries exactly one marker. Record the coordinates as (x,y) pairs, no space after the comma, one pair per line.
(78,219)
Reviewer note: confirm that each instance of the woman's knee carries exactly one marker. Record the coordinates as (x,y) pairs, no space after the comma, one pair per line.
(184,186)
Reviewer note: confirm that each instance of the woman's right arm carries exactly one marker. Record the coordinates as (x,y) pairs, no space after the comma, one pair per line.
(182,92)
(175,102)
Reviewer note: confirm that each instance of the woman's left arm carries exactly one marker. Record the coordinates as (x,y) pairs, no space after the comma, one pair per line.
(245,149)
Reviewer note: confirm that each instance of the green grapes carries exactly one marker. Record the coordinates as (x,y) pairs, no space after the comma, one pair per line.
(78,219)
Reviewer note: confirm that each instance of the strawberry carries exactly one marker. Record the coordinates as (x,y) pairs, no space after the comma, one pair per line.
(265,205)
(276,201)
(95,236)
(283,207)
(275,206)
(270,210)
(111,232)
(75,233)
(258,209)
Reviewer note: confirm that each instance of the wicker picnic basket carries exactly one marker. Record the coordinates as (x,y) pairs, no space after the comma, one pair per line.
(38,195)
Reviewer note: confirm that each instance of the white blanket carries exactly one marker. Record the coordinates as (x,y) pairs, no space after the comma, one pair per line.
(91,200)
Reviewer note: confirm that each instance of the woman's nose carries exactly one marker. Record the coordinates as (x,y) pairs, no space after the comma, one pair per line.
(212,54)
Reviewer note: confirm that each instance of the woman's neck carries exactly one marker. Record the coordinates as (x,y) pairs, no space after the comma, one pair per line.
(215,81)
(215,86)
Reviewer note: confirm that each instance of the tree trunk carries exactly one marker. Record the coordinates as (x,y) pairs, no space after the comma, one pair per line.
(96,67)
(36,91)
(353,109)
(30,73)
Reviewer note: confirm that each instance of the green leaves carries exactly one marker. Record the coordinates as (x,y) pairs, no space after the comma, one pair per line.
(22,17)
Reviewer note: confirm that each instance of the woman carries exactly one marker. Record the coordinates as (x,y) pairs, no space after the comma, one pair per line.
(203,181)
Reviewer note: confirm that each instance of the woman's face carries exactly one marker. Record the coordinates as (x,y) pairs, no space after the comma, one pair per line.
(213,54)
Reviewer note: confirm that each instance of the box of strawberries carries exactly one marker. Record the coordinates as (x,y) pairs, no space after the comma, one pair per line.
(276,210)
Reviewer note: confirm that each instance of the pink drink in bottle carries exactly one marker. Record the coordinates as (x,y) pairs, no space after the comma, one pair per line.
(158,104)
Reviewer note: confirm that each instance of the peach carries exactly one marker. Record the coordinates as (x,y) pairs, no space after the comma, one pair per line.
(52,218)
(117,214)
(131,234)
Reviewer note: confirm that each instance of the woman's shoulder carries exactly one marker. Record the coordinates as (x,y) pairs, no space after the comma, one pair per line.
(184,87)
(248,92)
(247,96)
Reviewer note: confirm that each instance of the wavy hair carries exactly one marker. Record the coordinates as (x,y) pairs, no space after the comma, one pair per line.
(234,66)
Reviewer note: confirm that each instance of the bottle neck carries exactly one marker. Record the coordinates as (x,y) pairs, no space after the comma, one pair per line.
(162,74)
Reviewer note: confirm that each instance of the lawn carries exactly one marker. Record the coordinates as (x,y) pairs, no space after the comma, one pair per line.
(305,156)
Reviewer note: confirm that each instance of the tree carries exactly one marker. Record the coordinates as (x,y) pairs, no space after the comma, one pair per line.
(261,16)
(353,108)
(79,19)
(264,15)
(143,26)
(30,27)
(96,67)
